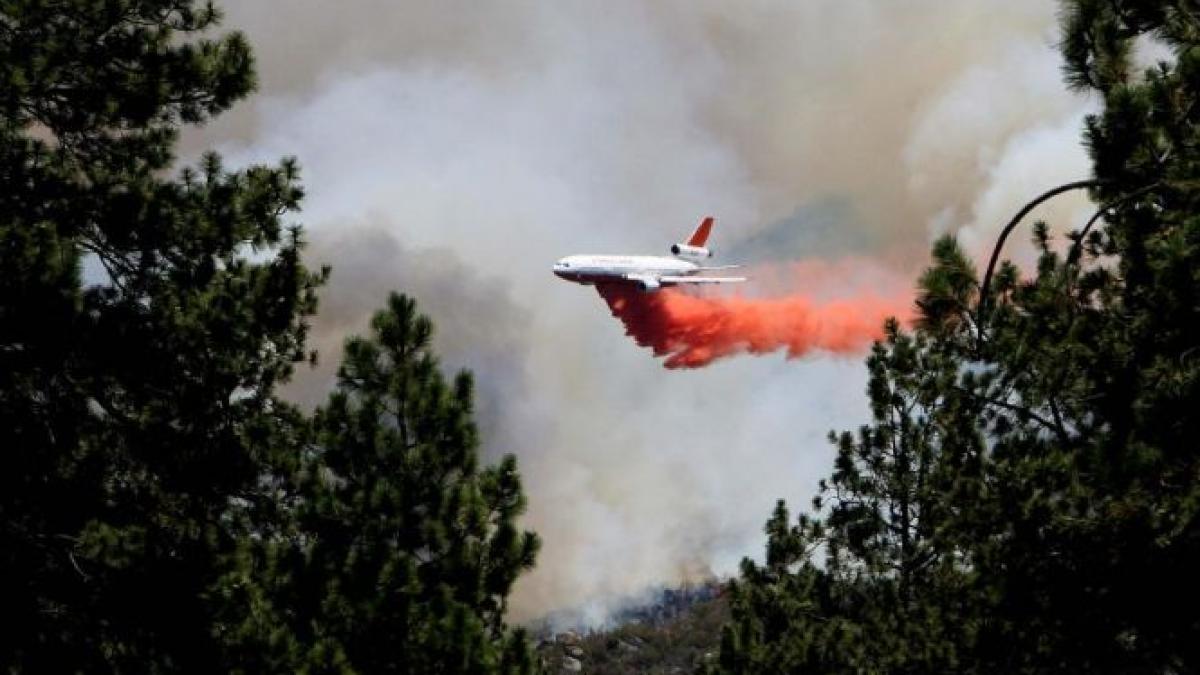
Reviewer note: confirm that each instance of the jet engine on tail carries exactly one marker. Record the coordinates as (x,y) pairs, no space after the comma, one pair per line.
(690,252)
(694,249)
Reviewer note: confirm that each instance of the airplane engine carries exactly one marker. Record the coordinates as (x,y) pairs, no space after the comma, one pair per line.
(648,285)
(691,252)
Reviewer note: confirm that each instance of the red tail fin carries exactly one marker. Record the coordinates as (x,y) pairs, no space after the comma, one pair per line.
(701,234)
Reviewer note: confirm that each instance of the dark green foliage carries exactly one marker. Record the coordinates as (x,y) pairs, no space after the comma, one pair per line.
(135,399)
(867,607)
(405,550)
(160,509)
(1038,449)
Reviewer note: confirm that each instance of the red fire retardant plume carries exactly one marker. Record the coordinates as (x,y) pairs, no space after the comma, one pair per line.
(693,331)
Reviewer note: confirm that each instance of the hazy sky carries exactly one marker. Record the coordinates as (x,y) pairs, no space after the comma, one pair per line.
(454,149)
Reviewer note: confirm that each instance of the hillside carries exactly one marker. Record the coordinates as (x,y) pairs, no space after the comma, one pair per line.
(674,633)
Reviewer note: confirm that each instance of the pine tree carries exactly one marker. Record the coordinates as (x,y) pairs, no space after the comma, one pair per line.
(405,549)
(1099,487)
(875,599)
(1066,480)
(139,344)
(160,509)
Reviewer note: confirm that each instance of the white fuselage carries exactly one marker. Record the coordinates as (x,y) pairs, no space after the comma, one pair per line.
(649,272)
(593,269)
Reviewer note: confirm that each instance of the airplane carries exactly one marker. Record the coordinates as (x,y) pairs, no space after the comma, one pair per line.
(648,272)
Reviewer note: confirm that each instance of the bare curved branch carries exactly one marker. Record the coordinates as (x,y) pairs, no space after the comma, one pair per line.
(1012,224)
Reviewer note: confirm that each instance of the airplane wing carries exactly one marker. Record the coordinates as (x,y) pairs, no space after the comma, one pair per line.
(672,281)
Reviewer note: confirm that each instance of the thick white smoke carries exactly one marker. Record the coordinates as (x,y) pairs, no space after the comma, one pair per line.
(454,149)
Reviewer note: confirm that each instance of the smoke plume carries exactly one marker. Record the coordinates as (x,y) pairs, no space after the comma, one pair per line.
(454,149)
(692,331)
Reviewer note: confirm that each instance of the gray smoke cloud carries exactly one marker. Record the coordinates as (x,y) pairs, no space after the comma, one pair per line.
(455,149)
(369,263)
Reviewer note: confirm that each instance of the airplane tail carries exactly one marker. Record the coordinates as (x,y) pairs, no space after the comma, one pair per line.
(700,236)
(694,249)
